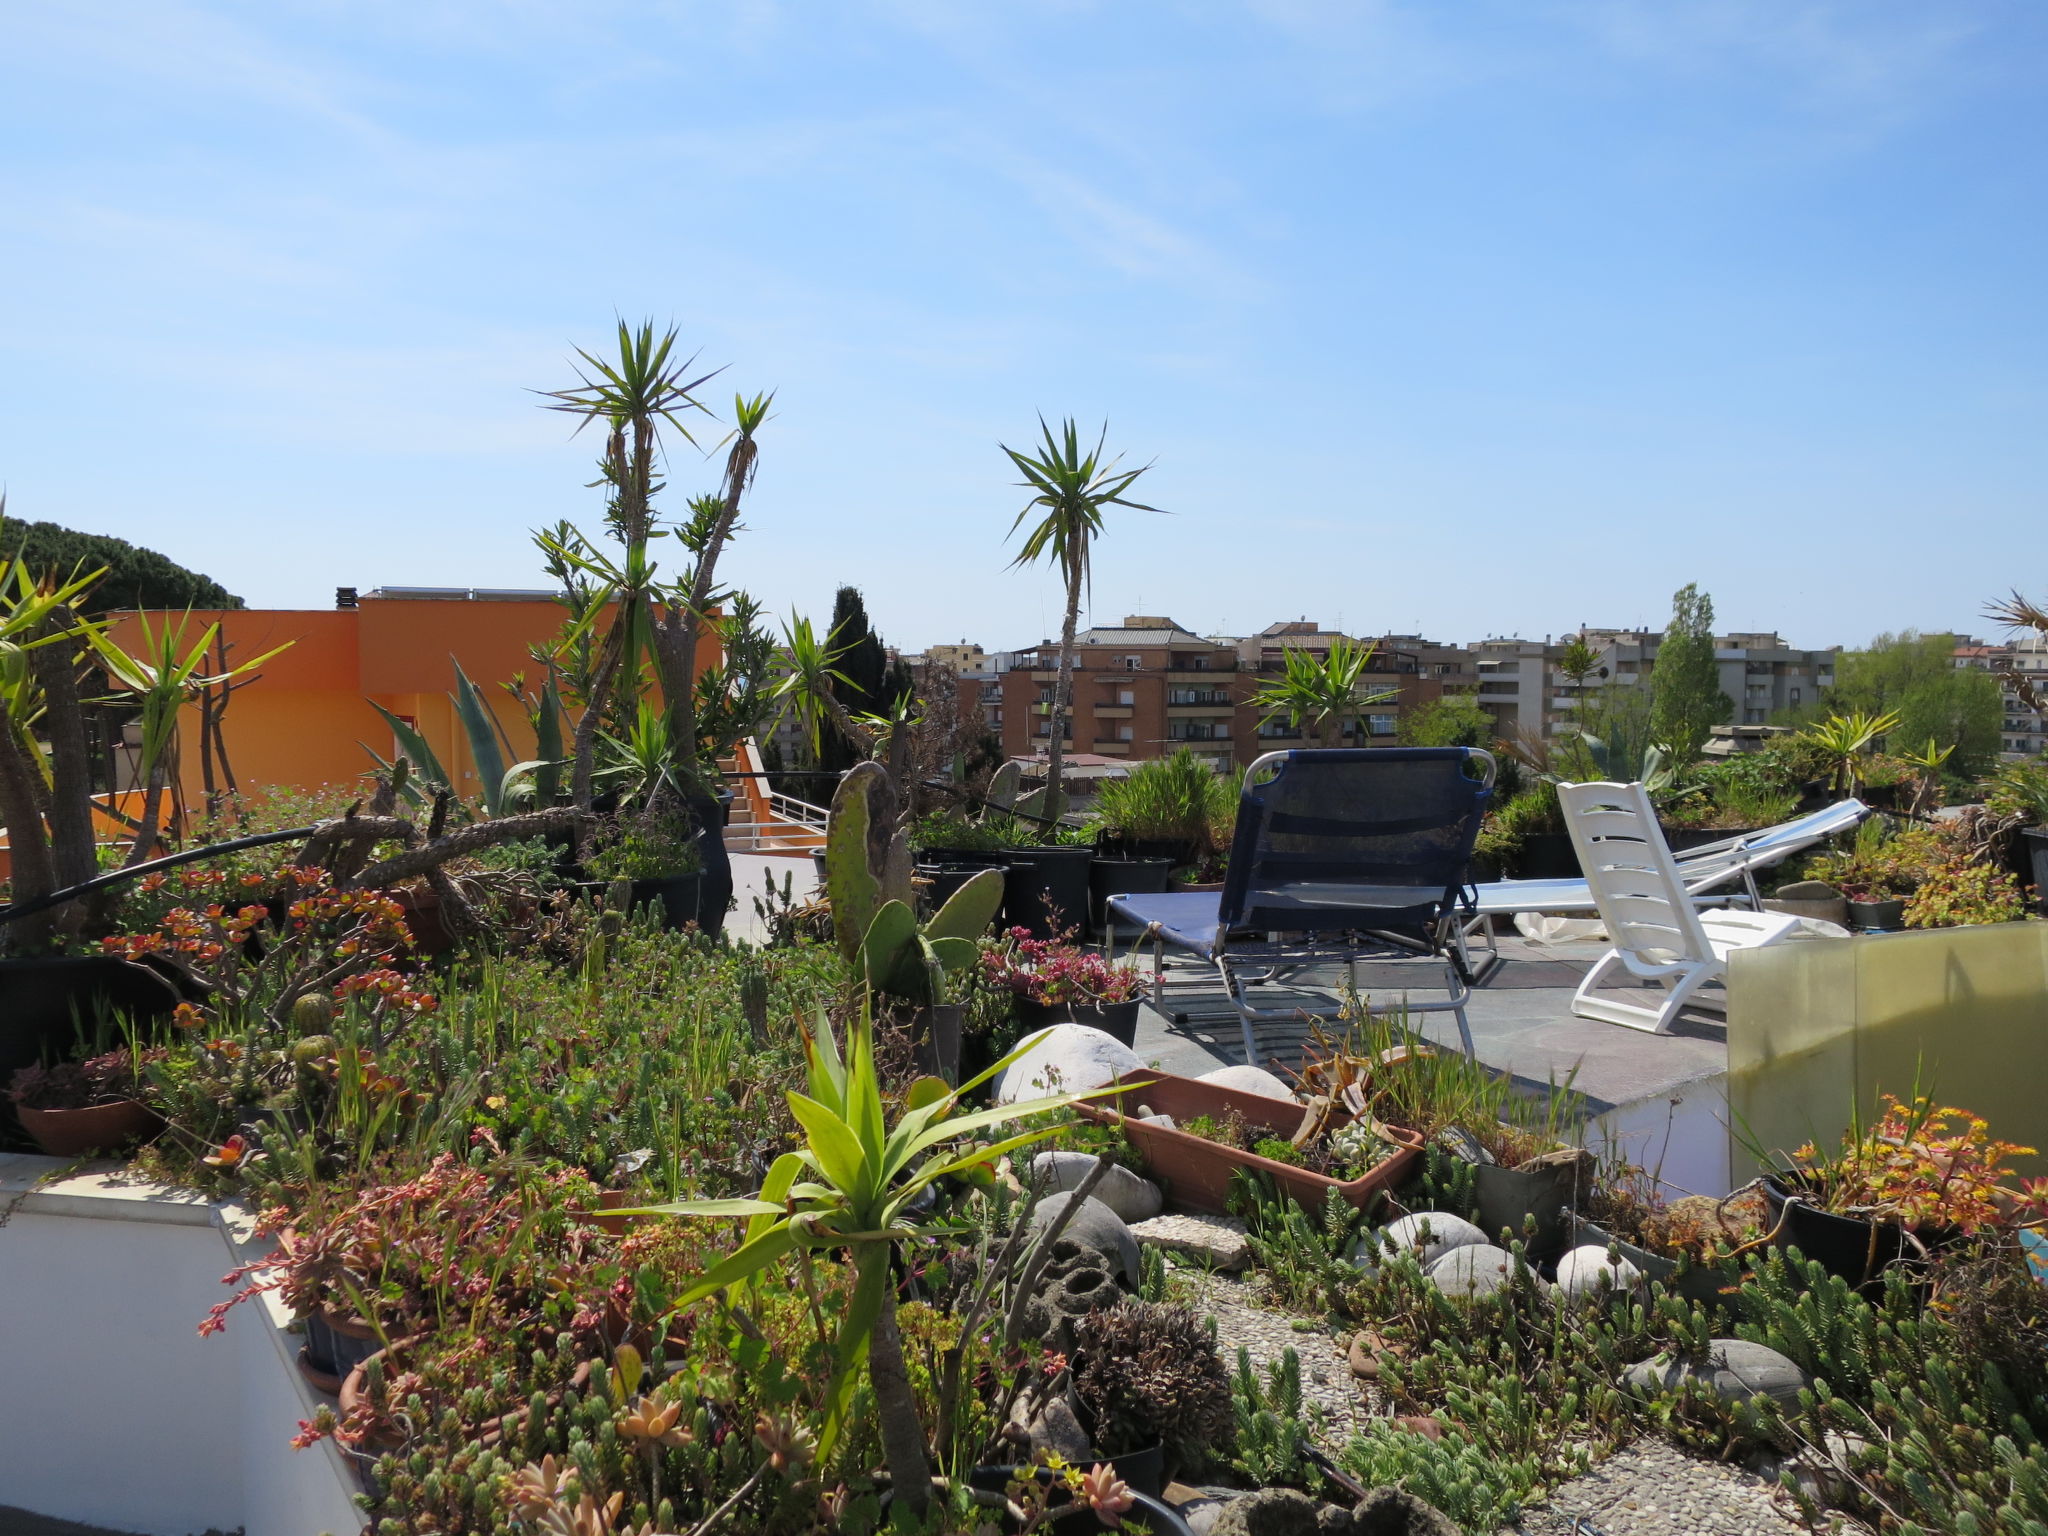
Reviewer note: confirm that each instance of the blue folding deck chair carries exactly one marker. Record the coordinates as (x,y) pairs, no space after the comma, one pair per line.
(1340,856)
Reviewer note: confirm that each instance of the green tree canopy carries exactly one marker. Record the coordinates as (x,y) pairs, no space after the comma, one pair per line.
(1916,674)
(136,577)
(1689,701)
(864,665)
(1455,720)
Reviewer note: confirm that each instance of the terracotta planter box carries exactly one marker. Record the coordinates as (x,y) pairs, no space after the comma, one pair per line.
(1196,1171)
(81,1132)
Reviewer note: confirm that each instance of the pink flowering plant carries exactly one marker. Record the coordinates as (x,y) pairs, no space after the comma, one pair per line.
(1056,971)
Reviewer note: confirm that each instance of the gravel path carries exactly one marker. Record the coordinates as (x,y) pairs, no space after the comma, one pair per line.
(1653,1489)
(1326,1380)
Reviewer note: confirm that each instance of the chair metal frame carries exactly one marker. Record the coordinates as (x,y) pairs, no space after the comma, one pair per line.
(1275,955)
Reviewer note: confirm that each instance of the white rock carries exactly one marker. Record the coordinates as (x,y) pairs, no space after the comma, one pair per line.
(1737,1370)
(1065,1058)
(1429,1235)
(1131,1197)
(1215,1240)
(1164,1122)
(1588,1273)
(1477,1269)
(1249,1080)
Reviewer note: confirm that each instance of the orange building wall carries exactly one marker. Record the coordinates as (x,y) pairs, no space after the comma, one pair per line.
(305,720)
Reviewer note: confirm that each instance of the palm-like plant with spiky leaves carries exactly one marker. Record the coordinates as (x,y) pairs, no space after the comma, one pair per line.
(1071,487)
(852,1185)
(1320,695)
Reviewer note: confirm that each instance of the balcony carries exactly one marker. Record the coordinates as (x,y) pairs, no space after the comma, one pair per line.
(1110,748)
(1192,732)
(1113,711)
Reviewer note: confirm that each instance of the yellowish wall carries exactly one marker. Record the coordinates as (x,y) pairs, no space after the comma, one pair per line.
(1816,1028)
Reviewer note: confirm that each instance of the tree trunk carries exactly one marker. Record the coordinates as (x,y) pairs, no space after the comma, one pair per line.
(63,723)
(152,813)
(910,1470)
(33,875)
(1062,689)
(583,752)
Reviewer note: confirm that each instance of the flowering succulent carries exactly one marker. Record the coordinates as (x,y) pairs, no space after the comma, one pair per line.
(1106,1493)
(1926,1167)
(1054,971)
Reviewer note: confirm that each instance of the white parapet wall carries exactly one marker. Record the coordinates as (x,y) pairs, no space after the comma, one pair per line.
(117,1413)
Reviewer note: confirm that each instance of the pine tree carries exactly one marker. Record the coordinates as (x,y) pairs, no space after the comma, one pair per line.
(1689,702)
(136,577)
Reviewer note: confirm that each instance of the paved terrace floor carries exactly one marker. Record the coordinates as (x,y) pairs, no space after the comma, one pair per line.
(1521,1015)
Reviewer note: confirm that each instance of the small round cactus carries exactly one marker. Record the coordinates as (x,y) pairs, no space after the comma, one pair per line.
(313,1013)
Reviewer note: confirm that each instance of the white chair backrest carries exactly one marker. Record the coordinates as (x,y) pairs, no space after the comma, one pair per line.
(1629,869)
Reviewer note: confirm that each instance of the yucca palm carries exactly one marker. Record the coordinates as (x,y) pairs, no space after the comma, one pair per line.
(1846,738)
(852,1185)
(1320,695)
(1070,488)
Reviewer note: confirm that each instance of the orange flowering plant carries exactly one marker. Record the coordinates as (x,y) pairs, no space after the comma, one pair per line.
(342,943)
(1925,1167)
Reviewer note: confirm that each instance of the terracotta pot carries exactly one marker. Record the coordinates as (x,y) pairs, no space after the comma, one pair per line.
(100,1129)
(422,917)
(1196,1171)
(355,1392)
(613,1200)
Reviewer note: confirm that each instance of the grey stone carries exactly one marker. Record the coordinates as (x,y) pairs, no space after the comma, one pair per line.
(1477,1269)
(1396,1512)
(1094,1226)
(1429,1235)
(1202,1513)
(1066,1058)
(1249,1080)
(1218,1241)
(1131,1197)
(1587,1273)
(1270,1512)
(1737,1371)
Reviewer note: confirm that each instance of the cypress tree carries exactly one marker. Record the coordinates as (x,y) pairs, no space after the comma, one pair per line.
(1689,702)
(865,664)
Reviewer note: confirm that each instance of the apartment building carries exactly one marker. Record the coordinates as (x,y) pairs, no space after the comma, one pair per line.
(2024,730)
(1394,676)
(1150,686)
(1141,688)
(1512,682)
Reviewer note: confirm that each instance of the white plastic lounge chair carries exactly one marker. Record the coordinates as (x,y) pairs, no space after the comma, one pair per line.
(1706,871)
(1649,910)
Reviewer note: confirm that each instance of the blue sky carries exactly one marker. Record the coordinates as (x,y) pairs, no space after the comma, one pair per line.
(1485,316)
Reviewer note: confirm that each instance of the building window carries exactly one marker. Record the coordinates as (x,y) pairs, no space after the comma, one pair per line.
(1123,733)
(1134,663)
(1380,725)
(1795,695)
(1126,696)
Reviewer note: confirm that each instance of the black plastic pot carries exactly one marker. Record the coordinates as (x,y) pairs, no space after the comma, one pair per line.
(1119,1020)
(1887,916)
(1046,890)
(1857,1250)
(1156,1515)
(945,879)
(1175,850)
(2035,842)
(1547,856)
(679,897)
(1117,876)
(714,880)
(1507,1197)
(935,1038)
(1697,1282)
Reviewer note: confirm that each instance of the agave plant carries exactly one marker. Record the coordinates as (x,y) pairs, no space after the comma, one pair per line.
(1846,739)
(853,1185)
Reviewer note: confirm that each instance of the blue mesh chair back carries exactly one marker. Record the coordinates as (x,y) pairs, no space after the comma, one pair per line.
(1352,840)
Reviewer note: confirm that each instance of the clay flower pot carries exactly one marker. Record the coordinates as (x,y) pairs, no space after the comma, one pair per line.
(100,1129)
